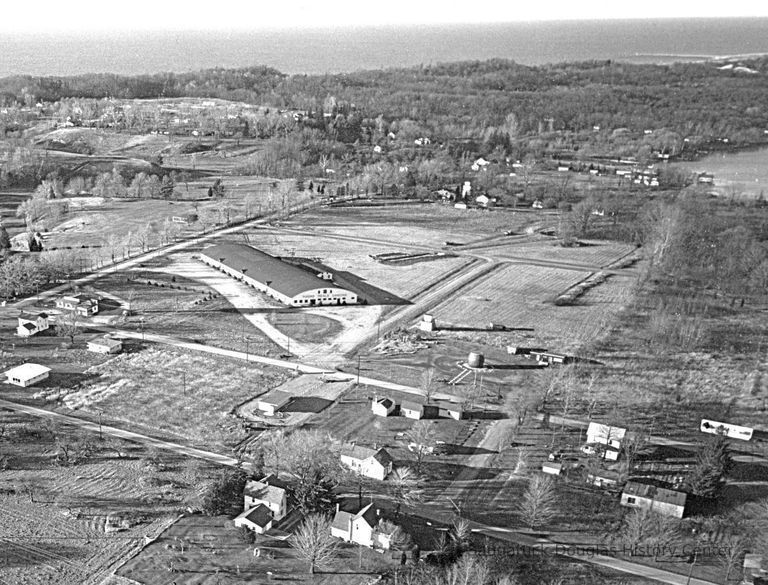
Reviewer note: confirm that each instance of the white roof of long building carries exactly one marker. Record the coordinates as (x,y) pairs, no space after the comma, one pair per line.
(27,371)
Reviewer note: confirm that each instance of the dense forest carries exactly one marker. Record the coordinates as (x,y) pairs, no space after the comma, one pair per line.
(498,102)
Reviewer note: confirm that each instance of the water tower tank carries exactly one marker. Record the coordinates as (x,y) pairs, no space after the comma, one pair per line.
(475,360)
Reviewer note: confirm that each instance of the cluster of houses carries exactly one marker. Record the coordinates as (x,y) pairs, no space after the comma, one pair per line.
(266,503)
(30,324)
(605,441)
(384,406)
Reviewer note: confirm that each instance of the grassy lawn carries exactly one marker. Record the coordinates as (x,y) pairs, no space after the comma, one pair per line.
(213,553)
(303,326)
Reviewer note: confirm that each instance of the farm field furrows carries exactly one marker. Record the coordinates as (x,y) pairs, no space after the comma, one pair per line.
(521,295)
(54,512)
(405,281)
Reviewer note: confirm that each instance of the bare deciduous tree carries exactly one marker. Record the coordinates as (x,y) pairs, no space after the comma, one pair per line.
(68,325)
(428,383)
(313,541)
(404,488)
(422,441)
(538,504)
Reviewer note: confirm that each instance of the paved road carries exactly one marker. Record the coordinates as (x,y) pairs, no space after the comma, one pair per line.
(279,363)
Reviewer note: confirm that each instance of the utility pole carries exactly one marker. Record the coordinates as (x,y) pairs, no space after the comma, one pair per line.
(358,369)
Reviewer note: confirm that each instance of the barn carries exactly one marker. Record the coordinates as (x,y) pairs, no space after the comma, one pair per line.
(285,282)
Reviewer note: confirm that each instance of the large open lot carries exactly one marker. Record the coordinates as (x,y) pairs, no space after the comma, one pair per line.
(176,393)
(74,506)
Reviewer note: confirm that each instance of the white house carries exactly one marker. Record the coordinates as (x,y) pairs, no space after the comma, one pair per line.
(376,464)
(412,410)
(483,200)
(259,519)
(30,324)
(363,527)
(27,374)
(605,435)
(382,406)
(664,501)
(460,205)
(273,402)
(85,305)
(105,344)
(265,492)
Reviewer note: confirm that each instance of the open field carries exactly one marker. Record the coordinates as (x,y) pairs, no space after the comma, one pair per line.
(69,523)
(590,253)
(213,553)
(415,224)
(179,394)
(521,295)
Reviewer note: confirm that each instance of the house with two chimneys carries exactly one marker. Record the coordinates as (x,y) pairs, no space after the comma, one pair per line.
(264,503)
(373,463)
(363,526)
(31,324)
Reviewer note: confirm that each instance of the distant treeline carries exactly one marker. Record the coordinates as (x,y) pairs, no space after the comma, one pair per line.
(496,101)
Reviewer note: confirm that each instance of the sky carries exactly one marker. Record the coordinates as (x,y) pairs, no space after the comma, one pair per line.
(73,16)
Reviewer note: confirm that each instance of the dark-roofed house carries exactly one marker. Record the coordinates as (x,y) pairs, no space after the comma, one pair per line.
(267,493)
(285,282)
(376,464)
(31,324)
(638,494)
(259,519)
(358,527)
(382,406)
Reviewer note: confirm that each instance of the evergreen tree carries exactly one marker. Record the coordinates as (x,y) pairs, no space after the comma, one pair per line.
(713,463)
(5,239)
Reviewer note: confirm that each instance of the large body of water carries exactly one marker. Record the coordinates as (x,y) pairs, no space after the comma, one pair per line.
(350,49)
(740,174)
